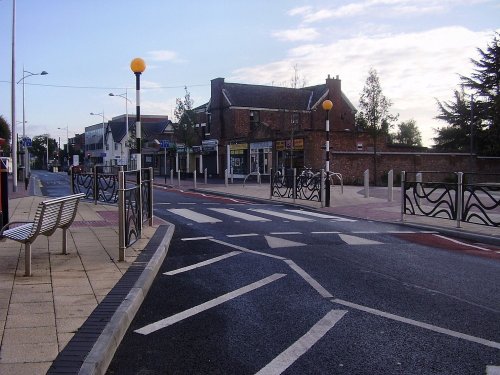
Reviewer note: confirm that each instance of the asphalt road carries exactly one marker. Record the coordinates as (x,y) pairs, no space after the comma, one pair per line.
(50,184)
(262,288)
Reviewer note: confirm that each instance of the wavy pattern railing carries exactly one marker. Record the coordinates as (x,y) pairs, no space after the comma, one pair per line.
(481,203)
(132,192)
(96,185)
(477,203)
(306,186)
(431,199)
(132,229)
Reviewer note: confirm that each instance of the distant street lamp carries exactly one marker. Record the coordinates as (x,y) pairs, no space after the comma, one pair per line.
(27,74)
(67,142)
(327,106)
(103,133)
(124,96)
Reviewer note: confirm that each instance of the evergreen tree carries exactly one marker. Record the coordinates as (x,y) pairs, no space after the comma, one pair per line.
(474,117)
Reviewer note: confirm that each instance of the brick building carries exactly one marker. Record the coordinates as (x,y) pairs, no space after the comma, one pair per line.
(257,128)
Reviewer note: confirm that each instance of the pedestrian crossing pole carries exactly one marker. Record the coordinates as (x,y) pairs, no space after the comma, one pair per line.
(138,66)
(327,106)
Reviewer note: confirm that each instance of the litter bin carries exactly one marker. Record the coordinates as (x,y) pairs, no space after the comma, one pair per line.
(20,173)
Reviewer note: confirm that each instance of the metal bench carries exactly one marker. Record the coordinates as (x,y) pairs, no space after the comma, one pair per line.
(50,215)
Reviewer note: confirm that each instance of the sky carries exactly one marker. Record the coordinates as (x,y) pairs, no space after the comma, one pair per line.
(418,48)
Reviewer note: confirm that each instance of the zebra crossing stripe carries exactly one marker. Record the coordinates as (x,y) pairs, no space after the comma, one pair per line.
(195,216)
(320,215)
(281,215)
(238,214)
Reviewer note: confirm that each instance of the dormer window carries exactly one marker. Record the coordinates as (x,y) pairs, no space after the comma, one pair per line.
(254,117)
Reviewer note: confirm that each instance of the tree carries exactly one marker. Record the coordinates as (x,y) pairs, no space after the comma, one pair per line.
(374,116)
(5,134)
(185,128)
(39,149)
(456,113)
(474,117)
(408,134)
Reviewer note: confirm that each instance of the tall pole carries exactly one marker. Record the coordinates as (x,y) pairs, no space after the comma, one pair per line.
(103,136)
(13,100)
(327,106)
(25,153)
(138,66)
(472,132)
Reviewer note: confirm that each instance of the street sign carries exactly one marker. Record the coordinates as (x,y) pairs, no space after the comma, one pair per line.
(27,142)
(164,143)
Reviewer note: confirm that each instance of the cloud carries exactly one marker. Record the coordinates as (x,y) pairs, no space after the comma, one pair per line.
(414,68)
(294,35)
(163,55)
(385,8)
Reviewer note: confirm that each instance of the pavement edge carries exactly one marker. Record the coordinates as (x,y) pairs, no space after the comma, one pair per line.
(101,355)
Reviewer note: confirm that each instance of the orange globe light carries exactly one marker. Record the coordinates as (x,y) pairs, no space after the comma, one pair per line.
(138,65)
(327,105)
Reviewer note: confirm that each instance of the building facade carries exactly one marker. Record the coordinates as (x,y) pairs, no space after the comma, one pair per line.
(256,128)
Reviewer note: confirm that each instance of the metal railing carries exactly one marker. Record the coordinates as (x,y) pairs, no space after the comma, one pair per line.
(131,190)
(457,198)
(307,185)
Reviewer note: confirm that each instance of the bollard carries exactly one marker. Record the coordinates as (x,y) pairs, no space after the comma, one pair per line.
(366,177)
(390,186)
(172,177)
(206,173)
(4,195)
(225,178)
(179,178)
(194,179)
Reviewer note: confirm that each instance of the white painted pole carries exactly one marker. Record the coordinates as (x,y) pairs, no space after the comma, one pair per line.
(390,186)
(367,183)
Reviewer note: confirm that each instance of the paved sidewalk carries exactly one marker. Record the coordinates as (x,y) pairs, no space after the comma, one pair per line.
(40,314)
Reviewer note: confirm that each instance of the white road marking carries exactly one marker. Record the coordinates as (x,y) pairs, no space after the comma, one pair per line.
(202,264)
(195,216)
(188,203)
(275,242)
(239,215)
(353,240)
(325,232)
(302,345)
(278,233)
(317,286)
(242,235)
(430,327)
(281,215)
(247,250)
(492,370)
(322,216)
(196,238)
(153,327)
(462,243)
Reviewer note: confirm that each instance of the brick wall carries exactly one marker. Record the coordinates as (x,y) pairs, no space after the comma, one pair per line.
(353,165)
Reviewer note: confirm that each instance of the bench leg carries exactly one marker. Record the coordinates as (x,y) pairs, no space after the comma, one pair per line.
(27,259)
(65,242)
